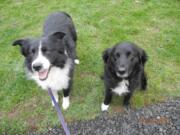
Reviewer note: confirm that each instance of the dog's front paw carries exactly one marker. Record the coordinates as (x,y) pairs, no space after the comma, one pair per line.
(65,103)
(104,107)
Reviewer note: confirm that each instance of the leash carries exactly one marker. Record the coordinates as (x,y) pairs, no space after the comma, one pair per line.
(59,113)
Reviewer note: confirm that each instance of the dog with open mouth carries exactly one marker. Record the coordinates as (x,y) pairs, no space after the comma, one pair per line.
(123,72)
(50,60)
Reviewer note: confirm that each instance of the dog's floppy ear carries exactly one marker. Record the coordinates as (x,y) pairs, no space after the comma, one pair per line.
(58,35)
(24,44)
(106,54)
(142,56)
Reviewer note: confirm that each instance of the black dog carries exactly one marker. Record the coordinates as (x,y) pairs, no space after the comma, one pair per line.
(123,71)
(49,60)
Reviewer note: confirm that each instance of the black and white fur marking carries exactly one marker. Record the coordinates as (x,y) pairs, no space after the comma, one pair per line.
(123,72)
(50,59)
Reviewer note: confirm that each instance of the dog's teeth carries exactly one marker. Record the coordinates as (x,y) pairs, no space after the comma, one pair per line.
(76,61)
(104,107)
(65,103)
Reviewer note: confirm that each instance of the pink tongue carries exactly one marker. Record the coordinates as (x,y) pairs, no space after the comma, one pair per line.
(43,74)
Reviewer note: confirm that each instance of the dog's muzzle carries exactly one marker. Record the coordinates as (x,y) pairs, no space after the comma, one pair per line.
(122,72)
(40,70)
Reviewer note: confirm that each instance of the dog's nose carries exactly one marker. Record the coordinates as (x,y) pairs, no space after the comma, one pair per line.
(122,70)
(37,66)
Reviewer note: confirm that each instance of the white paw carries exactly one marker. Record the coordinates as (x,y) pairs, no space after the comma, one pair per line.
(65,103)
(53,102)
(76,61)
(104,107)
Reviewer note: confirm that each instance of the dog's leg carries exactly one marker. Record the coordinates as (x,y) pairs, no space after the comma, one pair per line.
(55,94)
(107,100)
(72,46)
(127,98)
(143,81)
(66,102)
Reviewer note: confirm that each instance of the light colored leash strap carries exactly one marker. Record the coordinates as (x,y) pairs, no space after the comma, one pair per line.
(59,113)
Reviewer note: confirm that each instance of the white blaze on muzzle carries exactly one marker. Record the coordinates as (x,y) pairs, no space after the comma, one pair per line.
(44,62)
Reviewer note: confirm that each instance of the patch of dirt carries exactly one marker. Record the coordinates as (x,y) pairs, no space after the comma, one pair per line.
(32,122)
(153,29)
(20,108)
(118,109)
(88,74)
(13,113)
(158,121)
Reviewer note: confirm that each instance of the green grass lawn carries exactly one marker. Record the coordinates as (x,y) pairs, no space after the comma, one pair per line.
(152,24)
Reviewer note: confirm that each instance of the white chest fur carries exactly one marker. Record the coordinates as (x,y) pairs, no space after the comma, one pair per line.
(121,88)
(58,78)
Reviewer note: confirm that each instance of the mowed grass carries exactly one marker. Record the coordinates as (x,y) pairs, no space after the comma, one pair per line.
(152,24)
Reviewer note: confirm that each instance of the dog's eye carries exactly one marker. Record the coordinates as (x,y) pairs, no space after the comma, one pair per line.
(44,49)
(117,55)
(128,54)
(33,51)
(61,52)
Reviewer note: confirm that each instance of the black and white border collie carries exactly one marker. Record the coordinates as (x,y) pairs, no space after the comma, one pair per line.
(50,59)
(123,72)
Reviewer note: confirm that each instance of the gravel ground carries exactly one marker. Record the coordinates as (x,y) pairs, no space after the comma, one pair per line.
(159,119)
